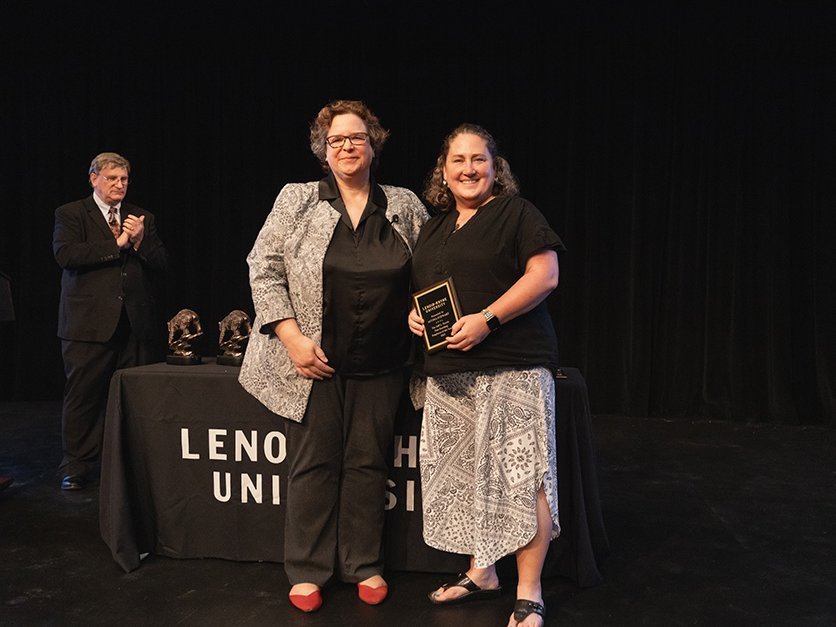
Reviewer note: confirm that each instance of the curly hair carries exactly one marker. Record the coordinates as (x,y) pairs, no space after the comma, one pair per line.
(436,191)
(322,122)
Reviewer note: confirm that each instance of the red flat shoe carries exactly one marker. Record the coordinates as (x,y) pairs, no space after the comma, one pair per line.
(370,595)
(307,602)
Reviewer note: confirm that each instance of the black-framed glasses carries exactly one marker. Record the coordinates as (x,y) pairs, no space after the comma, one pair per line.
(338,141)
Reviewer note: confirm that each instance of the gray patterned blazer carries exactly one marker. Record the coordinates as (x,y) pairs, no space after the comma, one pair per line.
(286,281)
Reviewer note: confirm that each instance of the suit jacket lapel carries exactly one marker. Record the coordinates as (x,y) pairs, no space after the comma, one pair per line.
(96,217)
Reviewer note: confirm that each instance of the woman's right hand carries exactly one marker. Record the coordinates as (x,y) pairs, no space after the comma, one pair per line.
(308,357)
(416,322)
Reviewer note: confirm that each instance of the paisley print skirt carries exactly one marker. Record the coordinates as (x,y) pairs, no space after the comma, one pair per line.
(487,447)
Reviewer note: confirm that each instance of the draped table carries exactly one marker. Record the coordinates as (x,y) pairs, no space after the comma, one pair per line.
(194,467)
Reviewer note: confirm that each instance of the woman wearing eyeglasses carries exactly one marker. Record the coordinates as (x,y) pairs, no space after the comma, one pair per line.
(330,278)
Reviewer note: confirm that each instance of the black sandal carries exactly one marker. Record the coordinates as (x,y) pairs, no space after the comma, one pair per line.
(474,592)
(524,608)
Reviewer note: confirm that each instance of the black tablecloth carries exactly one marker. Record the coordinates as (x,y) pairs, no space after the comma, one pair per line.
(193,466)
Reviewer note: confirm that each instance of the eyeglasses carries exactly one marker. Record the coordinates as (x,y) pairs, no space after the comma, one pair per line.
(113,179)
(338,141)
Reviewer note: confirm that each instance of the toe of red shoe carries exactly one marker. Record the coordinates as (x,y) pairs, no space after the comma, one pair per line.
(306,602)
(370,595)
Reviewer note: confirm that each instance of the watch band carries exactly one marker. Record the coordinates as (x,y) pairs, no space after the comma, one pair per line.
(492,320)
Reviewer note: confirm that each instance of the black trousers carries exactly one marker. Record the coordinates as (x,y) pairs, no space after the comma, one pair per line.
(88,367)
(337,479)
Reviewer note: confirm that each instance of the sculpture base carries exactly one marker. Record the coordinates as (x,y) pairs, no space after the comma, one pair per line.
(230,360)
(183,360)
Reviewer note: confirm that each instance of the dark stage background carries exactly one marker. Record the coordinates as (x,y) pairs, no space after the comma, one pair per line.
(684,153)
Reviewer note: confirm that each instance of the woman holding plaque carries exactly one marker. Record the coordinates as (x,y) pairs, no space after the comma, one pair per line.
(488,455)
(330,278)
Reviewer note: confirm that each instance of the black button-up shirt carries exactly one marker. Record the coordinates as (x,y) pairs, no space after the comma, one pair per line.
(365,289)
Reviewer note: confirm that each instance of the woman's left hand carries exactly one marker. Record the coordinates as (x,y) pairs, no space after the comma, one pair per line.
(469,331)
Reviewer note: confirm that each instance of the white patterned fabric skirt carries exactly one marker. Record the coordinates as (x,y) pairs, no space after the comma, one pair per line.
(487,447)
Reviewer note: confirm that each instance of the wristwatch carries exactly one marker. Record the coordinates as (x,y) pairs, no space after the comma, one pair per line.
(492,320)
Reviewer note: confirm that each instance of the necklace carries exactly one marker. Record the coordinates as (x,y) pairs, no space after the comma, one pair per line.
(463,220)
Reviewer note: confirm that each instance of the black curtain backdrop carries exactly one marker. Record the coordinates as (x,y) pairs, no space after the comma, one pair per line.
(684,153)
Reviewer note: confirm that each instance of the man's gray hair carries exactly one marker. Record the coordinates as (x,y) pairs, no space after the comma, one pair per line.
(108,160)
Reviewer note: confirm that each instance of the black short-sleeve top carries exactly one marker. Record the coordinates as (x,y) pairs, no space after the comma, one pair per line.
(485,257)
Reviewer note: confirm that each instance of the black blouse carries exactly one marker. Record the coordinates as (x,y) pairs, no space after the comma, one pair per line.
(486,257)
(365,289)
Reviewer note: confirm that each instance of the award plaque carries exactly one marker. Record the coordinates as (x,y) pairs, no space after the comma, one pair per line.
(439,306)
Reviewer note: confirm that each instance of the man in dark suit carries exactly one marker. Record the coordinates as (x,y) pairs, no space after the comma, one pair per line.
(112,259)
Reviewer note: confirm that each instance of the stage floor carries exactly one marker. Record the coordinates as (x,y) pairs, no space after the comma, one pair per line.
(709,523)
